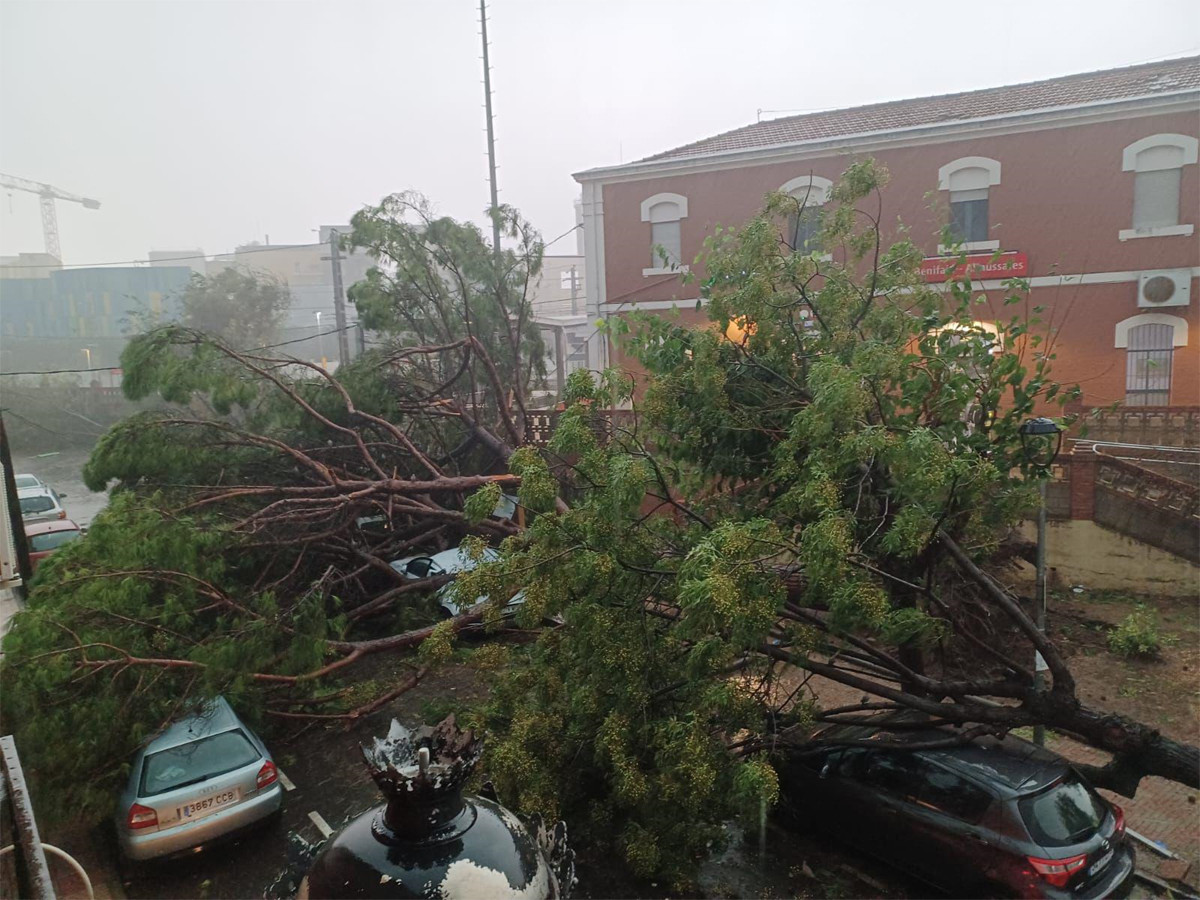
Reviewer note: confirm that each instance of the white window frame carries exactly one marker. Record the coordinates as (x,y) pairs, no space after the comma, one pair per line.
(1179,337)
(992,169)
(816,187)
(1133,160)
(681,207)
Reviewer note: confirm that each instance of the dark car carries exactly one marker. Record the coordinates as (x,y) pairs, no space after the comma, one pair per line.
(991,818)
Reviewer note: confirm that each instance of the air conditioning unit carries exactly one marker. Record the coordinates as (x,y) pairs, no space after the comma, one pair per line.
(1164,287)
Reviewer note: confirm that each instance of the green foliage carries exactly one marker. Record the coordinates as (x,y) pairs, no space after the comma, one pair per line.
(482,503)
(139,585)
(243,308)
(854,411)
(1137,635)
(438,281)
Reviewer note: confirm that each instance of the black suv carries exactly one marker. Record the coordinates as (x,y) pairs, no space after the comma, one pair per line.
(991,818)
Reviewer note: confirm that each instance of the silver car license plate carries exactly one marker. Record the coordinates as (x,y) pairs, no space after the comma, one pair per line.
(201,808)
(1101,863)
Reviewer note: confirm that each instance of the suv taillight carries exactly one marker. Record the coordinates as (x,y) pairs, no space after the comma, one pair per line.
(1119,816)
(268,774)
(1057,871)
(141,817)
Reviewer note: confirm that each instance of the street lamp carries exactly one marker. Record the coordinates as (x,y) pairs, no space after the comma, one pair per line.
(320,340)
(88,353)
(1037,436)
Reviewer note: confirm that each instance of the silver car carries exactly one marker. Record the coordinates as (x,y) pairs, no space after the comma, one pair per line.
(40,504)
(201,779)
(451,562)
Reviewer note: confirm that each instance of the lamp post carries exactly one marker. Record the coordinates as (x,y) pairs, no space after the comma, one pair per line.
(320,340)
(1036,436)
(87,351)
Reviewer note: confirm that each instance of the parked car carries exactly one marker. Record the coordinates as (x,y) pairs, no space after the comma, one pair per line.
(41,504)
(450,562)
(204,778)
(28,481)
(991,818)
(46,537)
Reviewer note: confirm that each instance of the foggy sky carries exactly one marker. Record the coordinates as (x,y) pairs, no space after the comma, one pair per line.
(211,124)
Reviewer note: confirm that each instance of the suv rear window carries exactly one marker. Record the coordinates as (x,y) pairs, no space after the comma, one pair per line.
(188,763)
(1067,813)
(36,504)
(51,539)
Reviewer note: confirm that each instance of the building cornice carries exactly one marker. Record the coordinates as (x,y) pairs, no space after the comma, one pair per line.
(941,132)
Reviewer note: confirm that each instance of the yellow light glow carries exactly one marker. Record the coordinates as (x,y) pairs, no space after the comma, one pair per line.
(739,329)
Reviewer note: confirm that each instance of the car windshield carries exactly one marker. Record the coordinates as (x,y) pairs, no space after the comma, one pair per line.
(1065,814)
(36,504)
(27,481)
(188,763)
(51,540)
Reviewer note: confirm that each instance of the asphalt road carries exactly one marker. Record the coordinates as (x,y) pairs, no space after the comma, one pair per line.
(61,470)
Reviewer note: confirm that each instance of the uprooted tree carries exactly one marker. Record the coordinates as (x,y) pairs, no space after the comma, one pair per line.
(819,491)
(246,547)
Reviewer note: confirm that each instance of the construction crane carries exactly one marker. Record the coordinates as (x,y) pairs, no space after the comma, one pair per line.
(48,194)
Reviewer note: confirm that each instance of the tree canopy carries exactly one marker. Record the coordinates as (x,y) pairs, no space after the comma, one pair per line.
(244,308)
(806,490)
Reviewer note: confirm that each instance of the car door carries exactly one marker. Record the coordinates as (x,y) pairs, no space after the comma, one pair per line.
(949,844)
(892,780)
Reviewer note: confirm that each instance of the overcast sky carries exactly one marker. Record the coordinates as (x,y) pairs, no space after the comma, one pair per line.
(211,124)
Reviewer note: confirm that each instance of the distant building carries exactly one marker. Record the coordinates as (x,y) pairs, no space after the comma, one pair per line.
(192,259)
(29,265)
(307,272)
(559,307)
(73,318)
(559,288)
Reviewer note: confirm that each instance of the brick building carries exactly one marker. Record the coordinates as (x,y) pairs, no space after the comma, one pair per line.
(1088,185)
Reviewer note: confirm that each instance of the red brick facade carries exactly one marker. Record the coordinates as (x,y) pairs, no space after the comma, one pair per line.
(1064,196)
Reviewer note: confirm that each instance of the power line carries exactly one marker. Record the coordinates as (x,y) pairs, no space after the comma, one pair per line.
(215,258)
(249,350)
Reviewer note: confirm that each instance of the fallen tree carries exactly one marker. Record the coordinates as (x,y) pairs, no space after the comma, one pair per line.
(813,486)
(247,546)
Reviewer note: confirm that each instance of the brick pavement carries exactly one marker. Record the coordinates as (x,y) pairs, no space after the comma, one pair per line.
(1162,811)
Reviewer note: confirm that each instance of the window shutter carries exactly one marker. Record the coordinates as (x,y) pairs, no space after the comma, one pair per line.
(1156,198)
(665,240)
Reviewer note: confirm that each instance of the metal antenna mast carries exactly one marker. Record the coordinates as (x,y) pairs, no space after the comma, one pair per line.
(491,136)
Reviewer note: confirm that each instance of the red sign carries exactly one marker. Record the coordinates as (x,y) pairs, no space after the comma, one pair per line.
(1012,264)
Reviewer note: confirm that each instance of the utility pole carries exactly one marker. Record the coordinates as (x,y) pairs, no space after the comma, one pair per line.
(15,570)
(491,140)
(339,300)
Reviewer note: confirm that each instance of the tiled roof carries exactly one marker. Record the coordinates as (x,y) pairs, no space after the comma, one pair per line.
(1163,77)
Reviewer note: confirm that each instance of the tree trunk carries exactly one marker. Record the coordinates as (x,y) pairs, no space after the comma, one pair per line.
(1137,750)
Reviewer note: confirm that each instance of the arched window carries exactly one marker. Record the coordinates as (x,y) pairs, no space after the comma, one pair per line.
(1150,341)
(1157,164)
(968,180)
(664,212)
(810,193)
